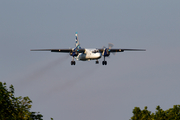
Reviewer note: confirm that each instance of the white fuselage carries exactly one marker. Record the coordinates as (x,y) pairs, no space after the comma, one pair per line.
(89,54)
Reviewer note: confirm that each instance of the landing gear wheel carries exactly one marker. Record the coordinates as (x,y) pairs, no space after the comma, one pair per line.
(104,62)
(97,62)
(73,62)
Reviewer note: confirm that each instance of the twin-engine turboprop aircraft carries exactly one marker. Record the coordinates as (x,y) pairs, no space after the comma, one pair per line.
(84,54)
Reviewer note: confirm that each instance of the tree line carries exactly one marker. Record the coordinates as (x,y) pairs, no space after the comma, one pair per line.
(18,108)
(159,114)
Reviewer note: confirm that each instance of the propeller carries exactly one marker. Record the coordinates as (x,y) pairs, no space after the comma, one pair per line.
(110,45)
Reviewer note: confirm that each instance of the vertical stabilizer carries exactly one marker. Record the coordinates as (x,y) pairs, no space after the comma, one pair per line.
(77,41)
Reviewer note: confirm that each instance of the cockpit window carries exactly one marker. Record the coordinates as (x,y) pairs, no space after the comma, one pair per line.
(95,51)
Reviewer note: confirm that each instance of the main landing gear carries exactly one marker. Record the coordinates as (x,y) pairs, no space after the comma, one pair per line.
(104,62)
(73,62)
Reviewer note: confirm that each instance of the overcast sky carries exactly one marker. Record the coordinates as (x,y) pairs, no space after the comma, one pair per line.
(88,91)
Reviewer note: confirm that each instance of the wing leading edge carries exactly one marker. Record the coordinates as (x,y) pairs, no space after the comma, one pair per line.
(121,50)
(83,50)
(60,50)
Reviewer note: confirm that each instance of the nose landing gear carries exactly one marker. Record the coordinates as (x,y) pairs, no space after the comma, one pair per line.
(97,62)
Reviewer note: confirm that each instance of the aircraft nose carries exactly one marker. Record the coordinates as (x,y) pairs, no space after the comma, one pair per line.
(99,55)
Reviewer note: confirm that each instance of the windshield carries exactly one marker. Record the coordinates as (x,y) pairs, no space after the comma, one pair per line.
(95,51)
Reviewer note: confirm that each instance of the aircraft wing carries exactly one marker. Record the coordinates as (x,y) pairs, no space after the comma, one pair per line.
(60,50)
(121,50)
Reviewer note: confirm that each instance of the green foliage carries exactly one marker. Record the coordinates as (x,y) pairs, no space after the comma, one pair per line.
(141,114)
(170,114)
(15,108)
(35,117)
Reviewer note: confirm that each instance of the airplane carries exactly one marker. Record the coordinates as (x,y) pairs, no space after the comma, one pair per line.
(85,54)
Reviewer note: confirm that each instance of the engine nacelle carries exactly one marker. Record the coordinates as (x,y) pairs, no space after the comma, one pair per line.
(106,52)
(74,53)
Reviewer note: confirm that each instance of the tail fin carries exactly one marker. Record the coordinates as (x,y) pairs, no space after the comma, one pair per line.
(77,41)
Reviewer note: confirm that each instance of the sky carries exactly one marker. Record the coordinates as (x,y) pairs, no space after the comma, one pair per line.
(87,90)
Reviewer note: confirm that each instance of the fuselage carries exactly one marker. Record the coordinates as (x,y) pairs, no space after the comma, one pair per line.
(89,54)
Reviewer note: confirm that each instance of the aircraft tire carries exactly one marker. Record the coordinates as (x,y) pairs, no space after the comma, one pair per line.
(104,62)
(73,62)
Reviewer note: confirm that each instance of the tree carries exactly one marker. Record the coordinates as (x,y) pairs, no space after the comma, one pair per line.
(160,114)
(141,114)
(15,108)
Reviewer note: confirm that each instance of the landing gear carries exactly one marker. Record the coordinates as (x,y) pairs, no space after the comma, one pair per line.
(104,62)
(97,62)
(73,62)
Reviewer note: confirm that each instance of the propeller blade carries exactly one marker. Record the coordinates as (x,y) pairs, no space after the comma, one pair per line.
(110,45)
(114,53)
(103,47)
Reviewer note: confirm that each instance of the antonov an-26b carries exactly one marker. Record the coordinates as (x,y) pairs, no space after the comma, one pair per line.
(85,54)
